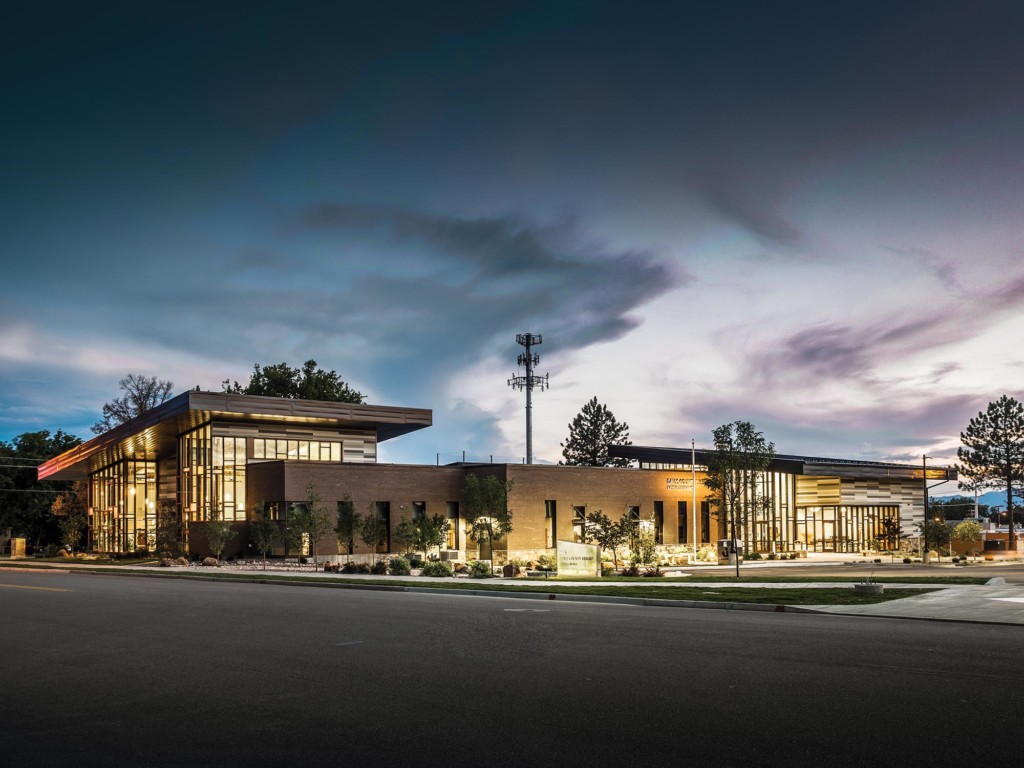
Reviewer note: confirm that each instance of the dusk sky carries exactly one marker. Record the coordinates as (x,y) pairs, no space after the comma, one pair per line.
(804,215)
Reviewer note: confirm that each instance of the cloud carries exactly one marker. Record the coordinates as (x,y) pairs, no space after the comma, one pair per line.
(751,212)
(486,279)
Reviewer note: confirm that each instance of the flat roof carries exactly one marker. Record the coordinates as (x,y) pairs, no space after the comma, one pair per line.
(155,432)
(796,465)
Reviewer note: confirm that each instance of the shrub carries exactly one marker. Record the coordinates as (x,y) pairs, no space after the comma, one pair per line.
(607,570)
(480,569)
(437,568)
(706,554)
(379,568)
(878,559)
(654,571)
(399,566)
(907,560)
(754,556)
(415,562)
(355,568)
(547,562)
(631,570)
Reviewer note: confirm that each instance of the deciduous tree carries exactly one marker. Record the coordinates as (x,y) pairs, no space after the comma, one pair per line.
(890,533)
(168,529)
(263,531)
(373,529)
(219,532)
(937,533)
(488,518)
(422,532)
(992,454)
(606,533)
(590,433)
(70,509)
(141,394)
(741,457)
(25,501)
(306,383)
(315,520)
(969,532)
(347,526)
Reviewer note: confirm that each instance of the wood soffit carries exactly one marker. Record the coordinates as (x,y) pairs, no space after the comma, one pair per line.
(154,433)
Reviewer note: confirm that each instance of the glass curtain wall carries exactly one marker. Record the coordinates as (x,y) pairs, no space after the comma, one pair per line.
(122,501)
(212,476)
(842,528)
(769,524)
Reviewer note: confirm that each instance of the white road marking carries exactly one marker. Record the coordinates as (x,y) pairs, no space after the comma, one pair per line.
(1007,599)
(527,610)
(350,642)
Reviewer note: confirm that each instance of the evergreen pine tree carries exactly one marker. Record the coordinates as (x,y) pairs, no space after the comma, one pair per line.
(590,434)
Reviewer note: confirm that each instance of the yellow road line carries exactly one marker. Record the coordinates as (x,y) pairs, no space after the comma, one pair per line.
(42,589)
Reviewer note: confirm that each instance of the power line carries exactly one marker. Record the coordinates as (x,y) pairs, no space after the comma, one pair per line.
(28,490)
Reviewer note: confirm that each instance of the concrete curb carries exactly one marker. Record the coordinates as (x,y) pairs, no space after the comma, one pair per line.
(299,581)
(547,596)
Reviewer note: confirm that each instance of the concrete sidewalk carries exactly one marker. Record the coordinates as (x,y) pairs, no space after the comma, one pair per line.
(998,604)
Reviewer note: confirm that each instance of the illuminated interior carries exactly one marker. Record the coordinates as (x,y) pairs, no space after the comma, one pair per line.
(212,476)
(122,506)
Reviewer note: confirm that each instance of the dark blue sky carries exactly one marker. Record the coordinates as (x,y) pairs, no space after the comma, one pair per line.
(803,214)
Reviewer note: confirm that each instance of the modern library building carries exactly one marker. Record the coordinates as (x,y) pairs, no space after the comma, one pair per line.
(213,455)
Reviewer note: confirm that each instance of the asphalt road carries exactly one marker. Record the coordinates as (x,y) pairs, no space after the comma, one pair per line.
(126,671)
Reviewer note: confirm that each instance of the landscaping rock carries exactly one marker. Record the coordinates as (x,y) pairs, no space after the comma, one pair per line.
(167,562)
(210,561)
(182,561)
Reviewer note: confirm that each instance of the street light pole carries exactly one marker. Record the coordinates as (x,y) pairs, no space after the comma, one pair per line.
(693,480)
(924,524)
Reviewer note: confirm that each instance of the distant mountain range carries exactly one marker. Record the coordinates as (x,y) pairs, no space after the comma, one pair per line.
(991,498)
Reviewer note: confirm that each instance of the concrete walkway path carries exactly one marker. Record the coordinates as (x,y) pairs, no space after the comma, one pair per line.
(997,604)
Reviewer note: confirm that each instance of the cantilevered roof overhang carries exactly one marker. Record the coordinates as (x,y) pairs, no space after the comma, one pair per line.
(795,465)
(155,432)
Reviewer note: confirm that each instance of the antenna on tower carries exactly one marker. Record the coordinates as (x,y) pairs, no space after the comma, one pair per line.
(529,382)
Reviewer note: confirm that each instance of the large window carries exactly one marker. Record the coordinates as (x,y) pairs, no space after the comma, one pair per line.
(122,503)
(212,476)
(659,522)
(452,515)
(841,528)
(579,522)
(296,450)
(550,522)
(684,532)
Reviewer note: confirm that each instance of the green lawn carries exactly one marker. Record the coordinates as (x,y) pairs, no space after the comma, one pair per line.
(646,588)
(770,596)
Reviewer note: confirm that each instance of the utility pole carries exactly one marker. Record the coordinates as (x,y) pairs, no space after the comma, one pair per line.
(924,527)
(528,382)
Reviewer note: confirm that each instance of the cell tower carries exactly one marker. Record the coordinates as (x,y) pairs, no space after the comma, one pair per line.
(528,382)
